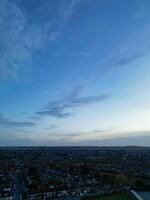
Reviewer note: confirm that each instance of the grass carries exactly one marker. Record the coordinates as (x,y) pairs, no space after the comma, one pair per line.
(118,196)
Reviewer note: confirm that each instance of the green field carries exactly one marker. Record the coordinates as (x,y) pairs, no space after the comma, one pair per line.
(118,196)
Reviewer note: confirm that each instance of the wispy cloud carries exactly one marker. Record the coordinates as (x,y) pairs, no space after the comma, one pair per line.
(68,9)
(5,122)
(61,108)
(20,38)
(141,139)
(146,107)
(131,49)
(72,53)
(92,139)
(128,59)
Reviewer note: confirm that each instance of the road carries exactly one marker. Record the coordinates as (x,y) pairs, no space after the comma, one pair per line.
(17,187)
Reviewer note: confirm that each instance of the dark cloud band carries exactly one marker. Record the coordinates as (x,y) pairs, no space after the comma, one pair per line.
(60,108)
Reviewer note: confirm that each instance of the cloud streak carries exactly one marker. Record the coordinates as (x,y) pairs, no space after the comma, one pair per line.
(68,9)
(129,59)
(7,123)
(61,108)
(130,50)
(89,139)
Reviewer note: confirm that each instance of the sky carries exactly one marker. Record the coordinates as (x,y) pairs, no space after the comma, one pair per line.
(74,72)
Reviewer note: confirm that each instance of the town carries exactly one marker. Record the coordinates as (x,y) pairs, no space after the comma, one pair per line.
(73,173)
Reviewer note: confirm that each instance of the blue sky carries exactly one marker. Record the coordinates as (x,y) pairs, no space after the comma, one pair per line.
(74,72)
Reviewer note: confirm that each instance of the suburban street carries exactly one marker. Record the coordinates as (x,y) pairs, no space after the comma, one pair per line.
(16,187)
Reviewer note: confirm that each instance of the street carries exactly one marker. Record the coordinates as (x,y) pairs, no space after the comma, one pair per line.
(16,187)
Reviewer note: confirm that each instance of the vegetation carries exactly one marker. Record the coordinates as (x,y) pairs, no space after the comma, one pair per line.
(118,196)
